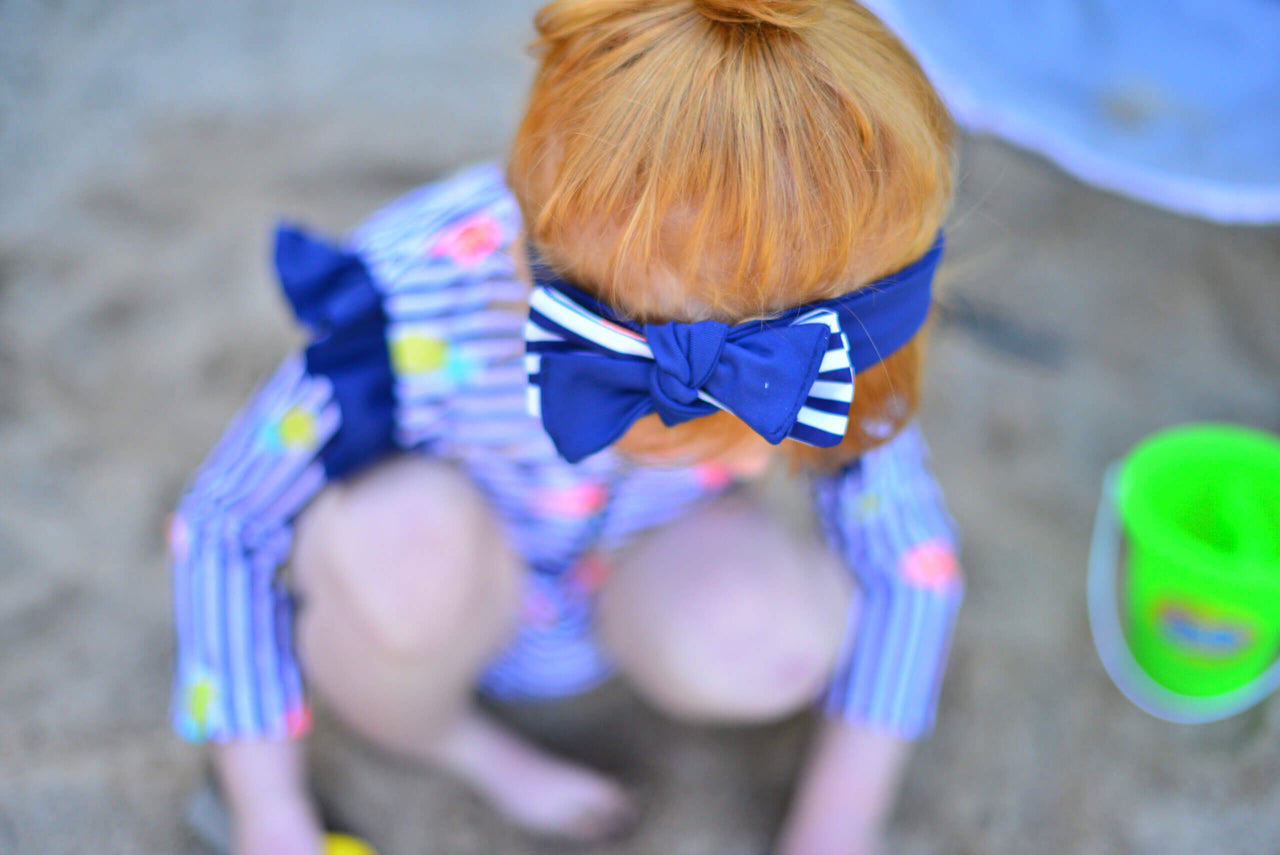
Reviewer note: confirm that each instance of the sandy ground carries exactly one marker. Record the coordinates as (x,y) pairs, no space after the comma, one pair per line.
(145,150)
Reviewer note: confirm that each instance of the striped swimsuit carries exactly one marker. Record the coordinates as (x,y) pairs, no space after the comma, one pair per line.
(438,318)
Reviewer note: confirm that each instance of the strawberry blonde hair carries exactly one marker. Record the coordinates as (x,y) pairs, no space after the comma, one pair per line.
(726,159)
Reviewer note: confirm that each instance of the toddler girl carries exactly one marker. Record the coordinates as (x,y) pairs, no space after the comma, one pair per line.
(508,458)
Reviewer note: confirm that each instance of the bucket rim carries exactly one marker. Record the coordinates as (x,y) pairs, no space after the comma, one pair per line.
(1221,440)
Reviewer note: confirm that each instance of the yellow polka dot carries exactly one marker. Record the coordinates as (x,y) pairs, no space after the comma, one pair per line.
(201,695)
(297,429)
(416,354)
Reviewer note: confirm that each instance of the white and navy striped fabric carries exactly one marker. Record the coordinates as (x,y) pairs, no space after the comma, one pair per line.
(825,412)
(560,324)
(440,258)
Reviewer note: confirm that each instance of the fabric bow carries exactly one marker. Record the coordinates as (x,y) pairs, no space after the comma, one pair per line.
(592,373)
(591,378)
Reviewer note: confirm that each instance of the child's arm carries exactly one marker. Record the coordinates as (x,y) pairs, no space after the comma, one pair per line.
(236,674)
(237,682)
(324,415)
(886,518)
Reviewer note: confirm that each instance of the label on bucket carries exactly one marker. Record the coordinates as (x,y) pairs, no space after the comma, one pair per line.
(1212,635)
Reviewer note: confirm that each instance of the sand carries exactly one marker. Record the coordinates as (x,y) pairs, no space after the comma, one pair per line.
(146,150)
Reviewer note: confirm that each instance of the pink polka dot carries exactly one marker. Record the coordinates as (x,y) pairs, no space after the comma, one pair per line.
(470,241)
(931,564)
(713,476)
(179,538)
(590,573)
(578,500)
(297,722)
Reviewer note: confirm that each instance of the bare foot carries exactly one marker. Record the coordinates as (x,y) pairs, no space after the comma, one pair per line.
(531,787)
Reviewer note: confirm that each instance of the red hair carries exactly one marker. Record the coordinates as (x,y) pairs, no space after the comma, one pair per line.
(725,159)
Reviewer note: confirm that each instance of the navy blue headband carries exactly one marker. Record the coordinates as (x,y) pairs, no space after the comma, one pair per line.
(593,373)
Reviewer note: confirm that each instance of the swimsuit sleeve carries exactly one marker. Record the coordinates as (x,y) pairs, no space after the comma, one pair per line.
(395,317)
(236,674)
(886,518)
(324,415)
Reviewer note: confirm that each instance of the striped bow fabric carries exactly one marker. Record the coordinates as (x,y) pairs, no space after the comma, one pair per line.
(592,377)
(592,373)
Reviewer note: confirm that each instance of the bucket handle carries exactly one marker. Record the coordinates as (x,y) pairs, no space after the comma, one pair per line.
(1113,649)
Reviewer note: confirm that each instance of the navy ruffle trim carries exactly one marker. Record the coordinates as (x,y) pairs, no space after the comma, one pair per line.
(332,292)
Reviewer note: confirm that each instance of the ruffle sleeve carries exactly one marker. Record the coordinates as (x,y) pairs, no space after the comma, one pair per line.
(332,292)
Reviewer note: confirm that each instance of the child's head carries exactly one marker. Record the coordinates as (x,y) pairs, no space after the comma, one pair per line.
(726,159)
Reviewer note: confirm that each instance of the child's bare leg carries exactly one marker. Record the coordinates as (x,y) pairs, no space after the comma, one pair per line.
(408,590)
(725,615)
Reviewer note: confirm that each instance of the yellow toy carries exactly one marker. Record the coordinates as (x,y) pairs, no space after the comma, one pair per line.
(345,844)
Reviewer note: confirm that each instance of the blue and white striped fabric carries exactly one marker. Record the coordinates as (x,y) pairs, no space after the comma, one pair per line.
(885,516)
(440,259)
(794,387)
(825,412)
(236,672)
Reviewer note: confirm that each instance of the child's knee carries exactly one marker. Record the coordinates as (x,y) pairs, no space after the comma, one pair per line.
(748,630)
(410,553)
(735,658)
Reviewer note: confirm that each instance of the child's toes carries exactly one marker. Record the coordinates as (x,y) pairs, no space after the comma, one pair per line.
(534,788)
(572,803)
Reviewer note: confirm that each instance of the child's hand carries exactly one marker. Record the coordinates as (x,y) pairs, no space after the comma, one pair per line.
(267,796)
(282,829)
(845,794)
(836,840)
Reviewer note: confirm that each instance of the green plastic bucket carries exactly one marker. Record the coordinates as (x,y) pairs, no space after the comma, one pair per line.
(1200,510)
